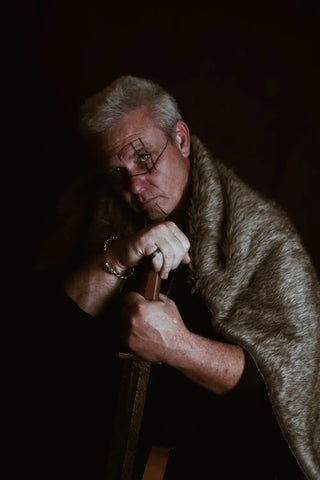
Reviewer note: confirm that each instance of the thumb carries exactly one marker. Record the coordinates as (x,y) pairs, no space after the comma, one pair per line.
(186,258)
(131,298)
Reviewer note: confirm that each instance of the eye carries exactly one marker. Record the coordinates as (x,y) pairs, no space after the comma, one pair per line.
(145,157)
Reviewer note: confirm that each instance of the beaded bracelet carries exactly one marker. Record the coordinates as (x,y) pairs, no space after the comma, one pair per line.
(109,267)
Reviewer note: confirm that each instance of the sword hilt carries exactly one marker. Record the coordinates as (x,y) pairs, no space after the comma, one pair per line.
(149,288)
(152,285)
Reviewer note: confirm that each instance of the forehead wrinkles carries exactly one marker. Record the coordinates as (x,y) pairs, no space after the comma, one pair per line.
(133,145)
(130,149)
(114,147)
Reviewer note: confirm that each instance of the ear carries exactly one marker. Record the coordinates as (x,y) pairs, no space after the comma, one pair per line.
(182,138)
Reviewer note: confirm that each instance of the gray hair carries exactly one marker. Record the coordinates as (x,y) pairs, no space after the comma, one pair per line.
(105,109)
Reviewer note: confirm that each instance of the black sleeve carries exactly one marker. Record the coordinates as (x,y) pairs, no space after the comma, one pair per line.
(67,382)
(251,381)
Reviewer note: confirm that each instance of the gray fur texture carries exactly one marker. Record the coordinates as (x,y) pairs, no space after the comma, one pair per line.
(250,268)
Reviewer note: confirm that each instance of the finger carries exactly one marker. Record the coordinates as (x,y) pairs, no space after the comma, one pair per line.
(157,250)
(165,245)
(157,261)
(163,298)
(160,249)
(168,259)
(182,244)
(161,259)
(179,235)
(186,259)
(131,298)
(175,250)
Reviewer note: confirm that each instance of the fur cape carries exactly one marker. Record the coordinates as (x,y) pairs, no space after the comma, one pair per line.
(251,270)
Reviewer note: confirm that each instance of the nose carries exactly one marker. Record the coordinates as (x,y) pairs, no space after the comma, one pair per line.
(137,184)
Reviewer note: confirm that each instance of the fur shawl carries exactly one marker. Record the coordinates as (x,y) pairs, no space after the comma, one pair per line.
(252,272)
(250,268)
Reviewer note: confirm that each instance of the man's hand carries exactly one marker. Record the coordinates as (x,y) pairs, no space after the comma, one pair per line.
(155,331)
(91,287)
(165,240)
(152,329)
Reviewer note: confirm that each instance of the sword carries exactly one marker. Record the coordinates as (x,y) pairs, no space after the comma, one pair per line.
(132,394)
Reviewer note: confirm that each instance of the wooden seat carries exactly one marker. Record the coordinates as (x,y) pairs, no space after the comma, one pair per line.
(156,463)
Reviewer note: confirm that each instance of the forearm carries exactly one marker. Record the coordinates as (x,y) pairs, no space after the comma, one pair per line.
(91,287)
(155,331)
(214,365)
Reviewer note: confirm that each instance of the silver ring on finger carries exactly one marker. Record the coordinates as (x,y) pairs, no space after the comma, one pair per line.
(153,254)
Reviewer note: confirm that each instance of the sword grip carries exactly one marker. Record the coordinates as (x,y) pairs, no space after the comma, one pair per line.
(151,285)
(149,288)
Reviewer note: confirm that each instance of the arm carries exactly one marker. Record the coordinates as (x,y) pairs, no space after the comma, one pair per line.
(92,287)
(156,332)
(214,365)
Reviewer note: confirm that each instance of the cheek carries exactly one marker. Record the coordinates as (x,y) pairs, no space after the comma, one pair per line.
(126,196)
(122,194)
(174,183)
(131,201)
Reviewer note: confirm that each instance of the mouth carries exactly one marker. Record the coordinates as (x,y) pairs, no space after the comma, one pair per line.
(152,205)
(147,203)
(142,204)
(148,206)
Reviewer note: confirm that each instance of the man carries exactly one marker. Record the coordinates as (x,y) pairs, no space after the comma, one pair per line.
(237,327)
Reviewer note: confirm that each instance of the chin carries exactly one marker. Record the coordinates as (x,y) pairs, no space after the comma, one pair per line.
(155,214)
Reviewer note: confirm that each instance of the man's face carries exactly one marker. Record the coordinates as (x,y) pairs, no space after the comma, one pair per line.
(146,169)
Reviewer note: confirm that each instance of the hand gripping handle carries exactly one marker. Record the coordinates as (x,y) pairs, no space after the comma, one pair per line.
(149,288)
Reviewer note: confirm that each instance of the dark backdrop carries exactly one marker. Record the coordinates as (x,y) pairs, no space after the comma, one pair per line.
(243,72)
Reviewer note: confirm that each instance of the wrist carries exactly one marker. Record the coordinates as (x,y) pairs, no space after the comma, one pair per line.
(111,263)
(179,350)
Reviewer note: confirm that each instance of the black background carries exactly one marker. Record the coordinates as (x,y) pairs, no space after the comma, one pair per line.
(244,74)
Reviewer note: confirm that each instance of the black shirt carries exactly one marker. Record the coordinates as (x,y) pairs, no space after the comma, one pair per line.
(68,385)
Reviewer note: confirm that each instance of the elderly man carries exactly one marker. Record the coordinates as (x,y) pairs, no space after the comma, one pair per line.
(236,328)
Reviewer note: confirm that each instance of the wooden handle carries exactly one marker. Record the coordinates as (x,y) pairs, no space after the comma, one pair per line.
(152,283)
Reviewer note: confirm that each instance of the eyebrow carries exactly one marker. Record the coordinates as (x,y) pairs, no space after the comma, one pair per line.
(136,149)
(140,140)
